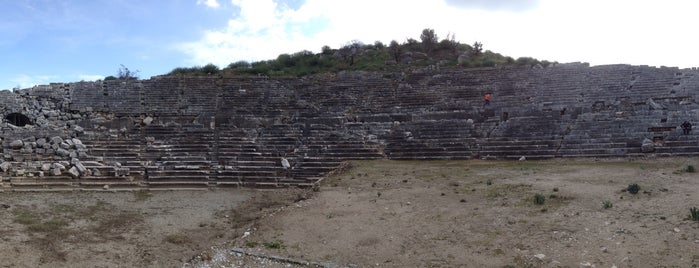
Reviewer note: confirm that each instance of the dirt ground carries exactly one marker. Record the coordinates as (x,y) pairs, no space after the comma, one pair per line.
(379,214)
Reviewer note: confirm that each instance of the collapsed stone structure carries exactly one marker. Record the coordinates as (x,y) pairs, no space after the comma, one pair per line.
(199,132)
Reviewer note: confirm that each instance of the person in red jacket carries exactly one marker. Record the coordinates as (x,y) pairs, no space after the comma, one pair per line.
(487,99)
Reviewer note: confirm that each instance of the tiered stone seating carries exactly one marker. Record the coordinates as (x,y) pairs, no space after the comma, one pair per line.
(256,161)
(161,96)
(115,160)
(179,156)
(206,131)
(434,139)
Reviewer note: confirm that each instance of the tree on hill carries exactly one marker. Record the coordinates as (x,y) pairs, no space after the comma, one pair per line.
(125,74)
(327,50)
(379,45)
(395,50)
(477,48)
(350,51)
(429,39)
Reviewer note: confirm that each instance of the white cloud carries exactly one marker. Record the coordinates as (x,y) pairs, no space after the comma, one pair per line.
(209,3)
(495,5)
(262,31)
(27,81)
(595,31)
(90,77)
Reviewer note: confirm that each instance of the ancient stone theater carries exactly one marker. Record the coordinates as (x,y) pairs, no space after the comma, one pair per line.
(190,132)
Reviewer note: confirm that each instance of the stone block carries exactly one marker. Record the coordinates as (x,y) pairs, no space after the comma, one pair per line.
(56,140)
(5,166)
(62,152)
(16,144)
(65,145)
(121,171)
(58,166)
(648,146)
(81,168)
(148,120)
(74,173)
(56,172)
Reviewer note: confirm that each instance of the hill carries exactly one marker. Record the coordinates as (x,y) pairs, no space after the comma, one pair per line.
(357,56)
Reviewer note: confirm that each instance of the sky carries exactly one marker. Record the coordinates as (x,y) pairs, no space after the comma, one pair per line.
(47,41)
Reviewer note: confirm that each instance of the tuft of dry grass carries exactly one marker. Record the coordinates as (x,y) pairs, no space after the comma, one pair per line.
(178,239)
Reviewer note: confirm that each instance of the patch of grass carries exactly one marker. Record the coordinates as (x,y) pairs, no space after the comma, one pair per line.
(34,223)
(503,190)
(25,217)
(142,195)
(633,188)
(177,239)
(63,208)
(607,204)
(370,241)
(251,244)
(689,169)
(694,214)
(116,222)
(273,245)
(539,199)
(52,225)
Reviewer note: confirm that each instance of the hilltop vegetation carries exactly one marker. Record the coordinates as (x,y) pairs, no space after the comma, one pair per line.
(355,55)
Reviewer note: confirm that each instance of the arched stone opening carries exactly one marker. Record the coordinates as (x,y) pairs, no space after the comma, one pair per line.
(18,119)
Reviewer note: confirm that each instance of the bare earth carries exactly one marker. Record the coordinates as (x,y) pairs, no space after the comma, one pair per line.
(378,213)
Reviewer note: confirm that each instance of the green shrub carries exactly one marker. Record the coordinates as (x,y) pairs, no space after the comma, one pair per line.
(633,188)
(539,199)
(240,64)
(690,169)
(694,214)
(273,245)
(607,204)
(209,69)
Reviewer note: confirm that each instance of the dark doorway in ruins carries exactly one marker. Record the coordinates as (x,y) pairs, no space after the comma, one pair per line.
(18,119)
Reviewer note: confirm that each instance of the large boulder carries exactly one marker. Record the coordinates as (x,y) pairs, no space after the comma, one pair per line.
(654,105)
(81,168)
(5,166)
(16,144)
(648,146)
(62,152)
(148,120)
(73,171)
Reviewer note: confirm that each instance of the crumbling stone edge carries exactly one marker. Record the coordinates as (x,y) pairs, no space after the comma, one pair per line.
(290,260)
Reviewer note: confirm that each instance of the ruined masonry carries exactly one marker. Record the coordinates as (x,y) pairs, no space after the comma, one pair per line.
(190,132)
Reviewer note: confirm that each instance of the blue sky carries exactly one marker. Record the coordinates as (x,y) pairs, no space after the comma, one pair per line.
(44,41)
